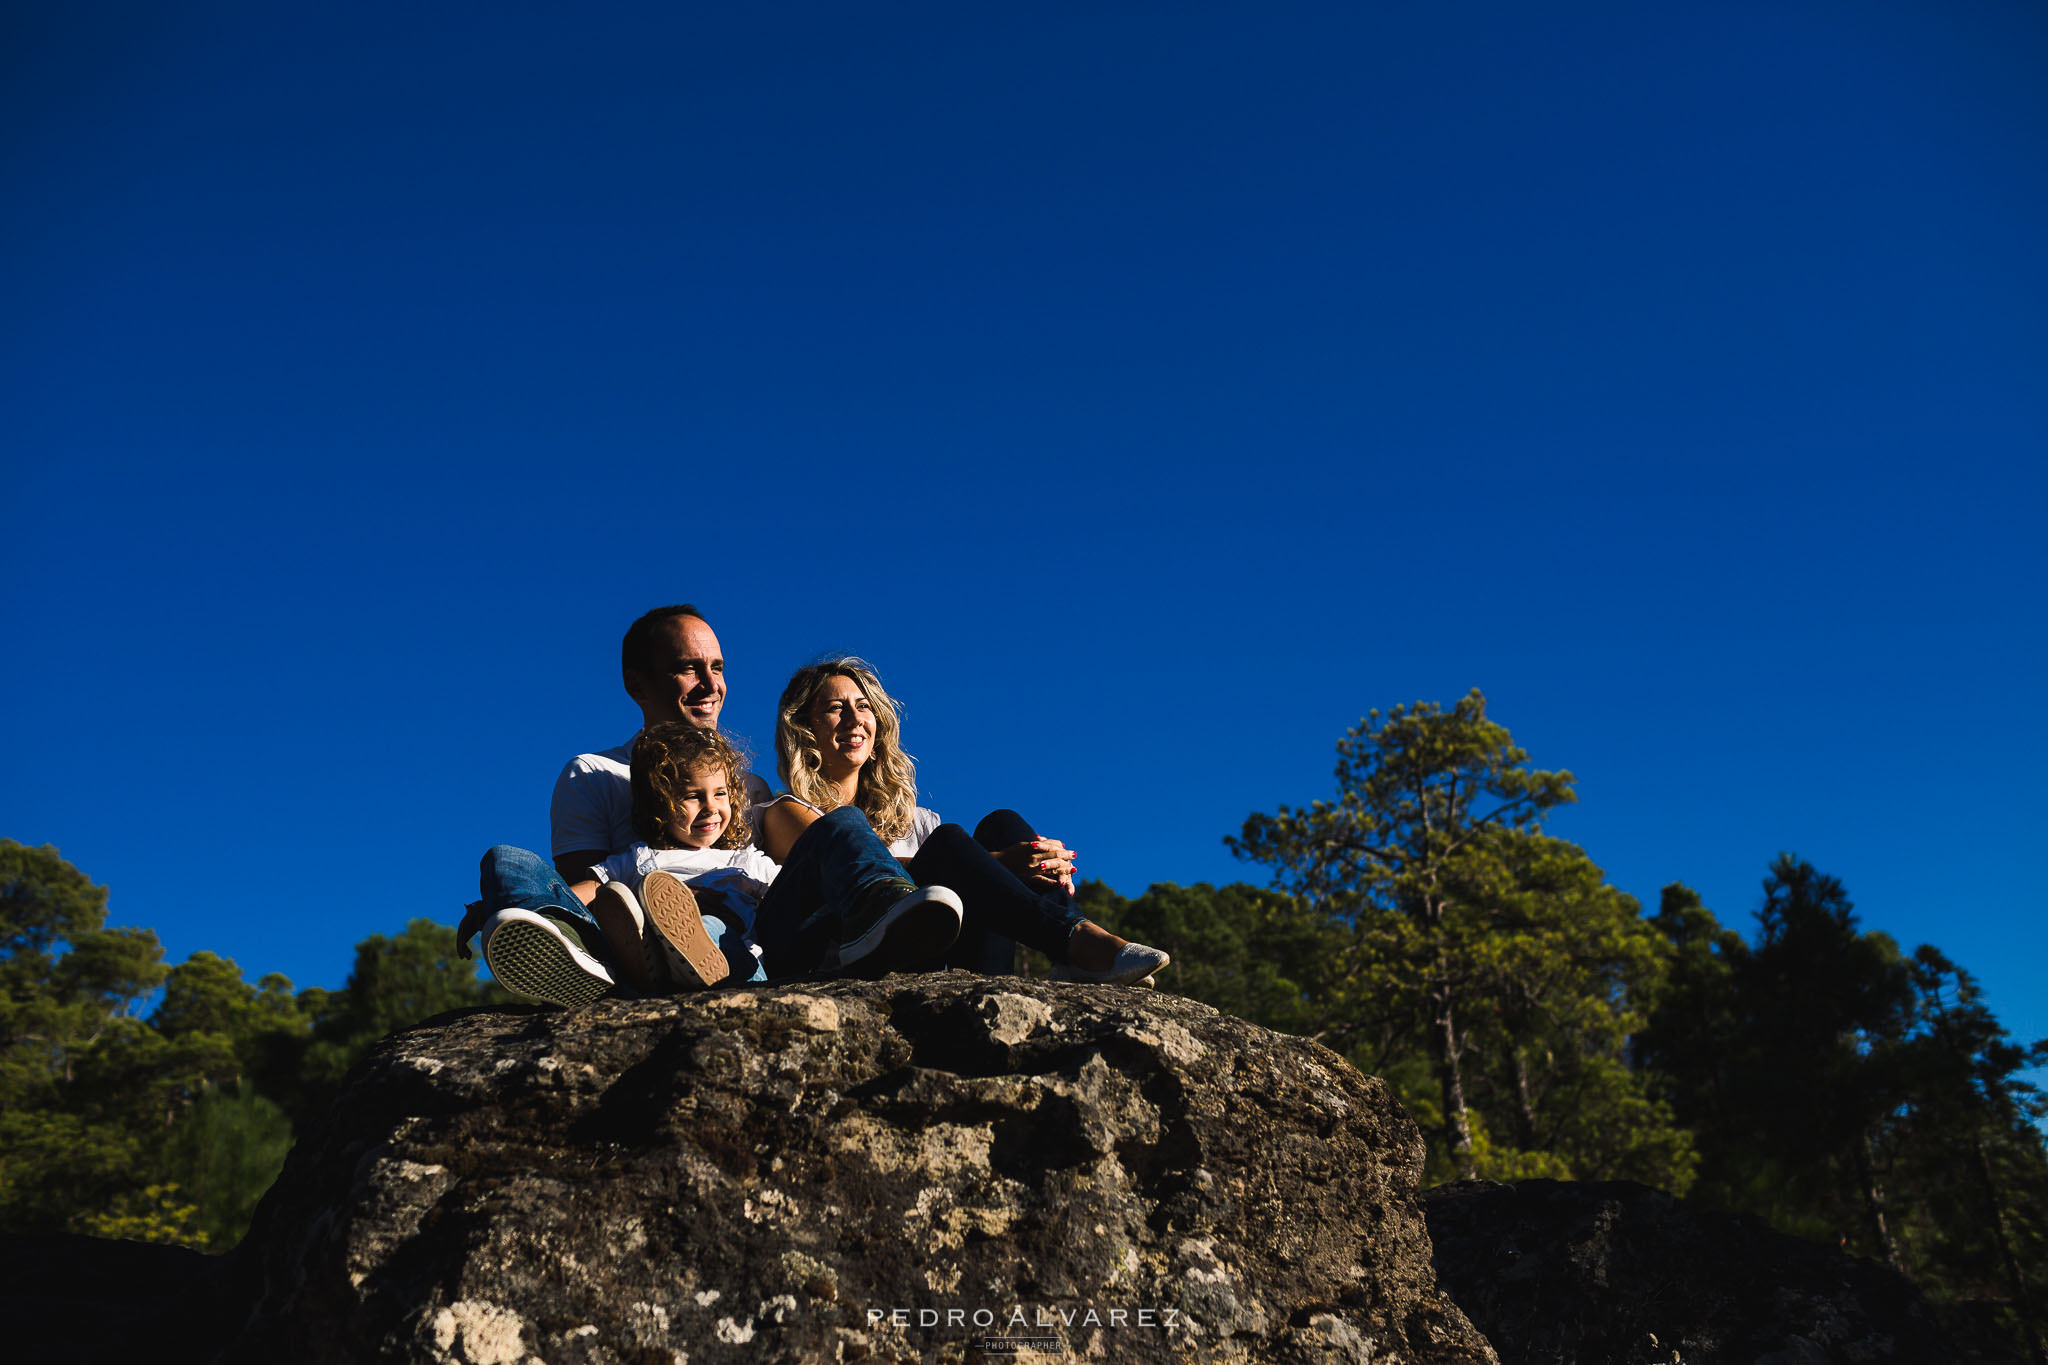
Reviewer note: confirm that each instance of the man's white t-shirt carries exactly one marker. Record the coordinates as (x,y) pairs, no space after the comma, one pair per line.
(593,802)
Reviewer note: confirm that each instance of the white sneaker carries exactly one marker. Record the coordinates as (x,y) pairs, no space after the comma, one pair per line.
(534,960)
(1133,966)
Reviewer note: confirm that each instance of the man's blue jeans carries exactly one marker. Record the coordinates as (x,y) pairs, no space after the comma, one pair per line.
(831,863)
(513,877)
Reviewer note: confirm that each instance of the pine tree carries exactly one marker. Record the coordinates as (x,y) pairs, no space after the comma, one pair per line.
(1970,1161)
(1481,955)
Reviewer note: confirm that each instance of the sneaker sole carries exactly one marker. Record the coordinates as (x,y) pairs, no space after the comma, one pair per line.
(918,928)
(532,962)
(672,909)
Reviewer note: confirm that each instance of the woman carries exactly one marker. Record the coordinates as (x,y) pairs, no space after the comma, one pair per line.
(837,744)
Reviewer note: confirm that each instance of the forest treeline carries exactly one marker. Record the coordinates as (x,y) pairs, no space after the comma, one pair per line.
(167,1124)
(1533,1019)
(1536,1022)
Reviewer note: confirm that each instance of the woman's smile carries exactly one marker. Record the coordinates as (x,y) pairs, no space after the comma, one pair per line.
(844,721)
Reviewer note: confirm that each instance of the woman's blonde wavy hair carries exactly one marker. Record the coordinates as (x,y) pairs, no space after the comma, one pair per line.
(664,756)
(887,789)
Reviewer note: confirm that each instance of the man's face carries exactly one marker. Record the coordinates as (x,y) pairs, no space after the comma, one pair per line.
(686,677)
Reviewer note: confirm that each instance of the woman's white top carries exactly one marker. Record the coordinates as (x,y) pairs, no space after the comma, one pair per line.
(922,823)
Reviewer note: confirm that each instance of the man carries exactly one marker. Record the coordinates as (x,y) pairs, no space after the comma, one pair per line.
(674,670)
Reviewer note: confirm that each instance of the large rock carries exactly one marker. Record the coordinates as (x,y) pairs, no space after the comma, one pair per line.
(1563,1273)
(879,1171)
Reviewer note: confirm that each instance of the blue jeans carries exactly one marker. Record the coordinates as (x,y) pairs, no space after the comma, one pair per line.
(802,917)
(1001,911)
(512,877)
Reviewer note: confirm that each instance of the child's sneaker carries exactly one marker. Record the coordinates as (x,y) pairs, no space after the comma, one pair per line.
(896,924)
(615,900)
(692,958)
(534,960)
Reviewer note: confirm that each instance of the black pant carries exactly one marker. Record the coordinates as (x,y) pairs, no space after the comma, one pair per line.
(1001,911)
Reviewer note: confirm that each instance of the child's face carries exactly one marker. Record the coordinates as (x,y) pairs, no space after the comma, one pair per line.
(704,810)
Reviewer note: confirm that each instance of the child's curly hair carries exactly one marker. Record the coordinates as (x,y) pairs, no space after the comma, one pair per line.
(664,756)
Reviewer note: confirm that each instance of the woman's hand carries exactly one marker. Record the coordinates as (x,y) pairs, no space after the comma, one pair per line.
(1043,864)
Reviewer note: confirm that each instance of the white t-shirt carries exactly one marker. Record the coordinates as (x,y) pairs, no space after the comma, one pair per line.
(727,882)
(632,866)
(593,802)
(922,823)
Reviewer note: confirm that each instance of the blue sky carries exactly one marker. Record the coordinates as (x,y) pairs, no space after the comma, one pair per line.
(1149,390)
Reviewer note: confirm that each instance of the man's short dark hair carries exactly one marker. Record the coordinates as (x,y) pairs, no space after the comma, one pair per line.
(641,635)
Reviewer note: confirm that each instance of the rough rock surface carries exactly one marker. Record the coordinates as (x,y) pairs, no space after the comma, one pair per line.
(877,1171)
(1557,1272)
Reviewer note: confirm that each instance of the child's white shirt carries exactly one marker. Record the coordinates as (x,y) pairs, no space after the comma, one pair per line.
(632,866)
(728,882)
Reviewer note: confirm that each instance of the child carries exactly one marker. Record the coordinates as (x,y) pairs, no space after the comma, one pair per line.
(695,880)
(693,875)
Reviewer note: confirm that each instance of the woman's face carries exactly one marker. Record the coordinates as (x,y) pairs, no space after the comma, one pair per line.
(844,723)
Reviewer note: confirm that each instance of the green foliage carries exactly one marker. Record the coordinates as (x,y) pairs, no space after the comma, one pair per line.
(64,979)
(1416,787)
(396,982)
(69,989)
(57,1167)
(1966,1148)
(1854,1095)
(1422,924)
(1535,1024)
(169,1129)
(1259,955)
(155,1213)
(1499,955)
(223,1153)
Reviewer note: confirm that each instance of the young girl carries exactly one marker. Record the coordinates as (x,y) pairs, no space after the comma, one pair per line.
(693,876)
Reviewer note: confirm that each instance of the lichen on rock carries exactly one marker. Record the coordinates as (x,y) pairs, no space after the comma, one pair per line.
(895,1170)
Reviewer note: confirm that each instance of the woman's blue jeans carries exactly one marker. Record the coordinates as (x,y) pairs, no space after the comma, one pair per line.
(835,859)
(839,855)
(1001,911)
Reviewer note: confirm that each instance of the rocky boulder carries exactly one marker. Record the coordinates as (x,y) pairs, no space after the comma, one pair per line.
(890,1171)
(1566,1273)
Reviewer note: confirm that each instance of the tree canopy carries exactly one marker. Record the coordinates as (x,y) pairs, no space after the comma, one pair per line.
(167,1124)
(1419,920)
(1495,959)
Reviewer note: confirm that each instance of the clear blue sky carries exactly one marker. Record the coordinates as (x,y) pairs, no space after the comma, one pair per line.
(1148,389)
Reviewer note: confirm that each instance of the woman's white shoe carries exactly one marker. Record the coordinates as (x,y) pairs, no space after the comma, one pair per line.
(1133,963)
